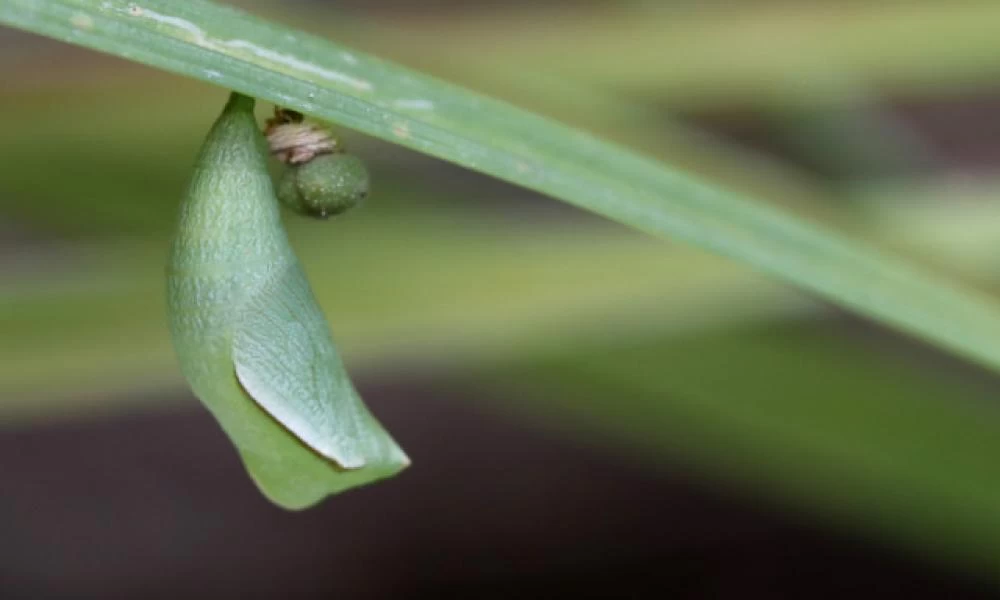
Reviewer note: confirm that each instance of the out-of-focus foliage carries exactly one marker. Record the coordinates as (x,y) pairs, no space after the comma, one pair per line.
(804,410)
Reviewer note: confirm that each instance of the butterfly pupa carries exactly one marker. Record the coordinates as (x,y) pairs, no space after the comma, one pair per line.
(250,337)
(320,178)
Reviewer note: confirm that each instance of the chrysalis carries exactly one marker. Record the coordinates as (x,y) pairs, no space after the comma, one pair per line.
(251,339)
(320,179)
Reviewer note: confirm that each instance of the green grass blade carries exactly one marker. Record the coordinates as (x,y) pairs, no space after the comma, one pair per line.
(236,50)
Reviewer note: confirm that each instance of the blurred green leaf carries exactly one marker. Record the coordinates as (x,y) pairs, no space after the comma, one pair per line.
(427,291)
(437,278)
(804,414)
(235,50)
(704,56)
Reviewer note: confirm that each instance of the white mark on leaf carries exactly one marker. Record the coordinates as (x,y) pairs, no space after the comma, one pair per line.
(297,64)
(196,35)
(81,21)
(413,104)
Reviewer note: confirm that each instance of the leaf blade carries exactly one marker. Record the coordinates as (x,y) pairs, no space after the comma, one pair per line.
(230,48)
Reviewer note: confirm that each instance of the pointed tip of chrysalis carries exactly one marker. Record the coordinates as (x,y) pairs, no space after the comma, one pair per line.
(307,486)
(403,460)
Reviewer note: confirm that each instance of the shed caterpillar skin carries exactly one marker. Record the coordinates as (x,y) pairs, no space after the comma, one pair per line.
(321,179)
(251,339)
(294,141)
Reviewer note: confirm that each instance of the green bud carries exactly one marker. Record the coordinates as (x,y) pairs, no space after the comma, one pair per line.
(329,184)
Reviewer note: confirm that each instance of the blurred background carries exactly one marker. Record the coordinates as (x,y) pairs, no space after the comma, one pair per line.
(591,412)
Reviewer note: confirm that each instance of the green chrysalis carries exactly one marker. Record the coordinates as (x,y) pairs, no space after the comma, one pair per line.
(251,339)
